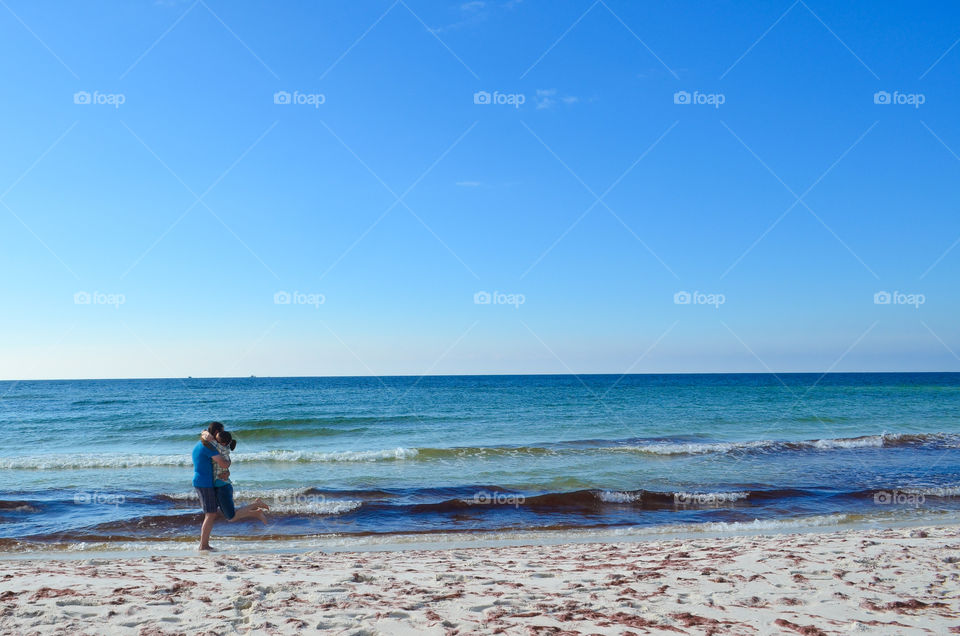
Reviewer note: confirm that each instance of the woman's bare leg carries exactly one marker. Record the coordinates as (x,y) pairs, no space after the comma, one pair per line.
(249,512)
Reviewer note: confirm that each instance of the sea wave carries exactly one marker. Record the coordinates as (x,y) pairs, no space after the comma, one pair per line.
(933,491)
(306,506)
(652,447)
(331,420)
(463,539)
(757,524)
(694,448)
(294,501)
(90,460)
(267,494)
(271,433)
(103,402)
(884,440)
(164,528)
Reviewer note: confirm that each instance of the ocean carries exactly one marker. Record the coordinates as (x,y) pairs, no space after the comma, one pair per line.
(97,464)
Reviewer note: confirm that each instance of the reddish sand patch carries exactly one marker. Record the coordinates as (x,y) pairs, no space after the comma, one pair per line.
(806,630)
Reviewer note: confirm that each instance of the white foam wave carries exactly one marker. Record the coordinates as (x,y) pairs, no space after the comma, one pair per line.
(768,524)
(90,460)
(341,456)
(319,507)
(933,491)
(58,462)
(867,441)
(870,441)
(695,449)
(82,461)
(285,500)
(241,494)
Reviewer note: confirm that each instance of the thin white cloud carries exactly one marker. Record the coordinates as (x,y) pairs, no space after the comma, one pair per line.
(549,97)
(545,97)
(472,12)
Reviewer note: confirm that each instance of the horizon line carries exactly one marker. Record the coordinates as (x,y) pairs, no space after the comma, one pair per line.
(468,375)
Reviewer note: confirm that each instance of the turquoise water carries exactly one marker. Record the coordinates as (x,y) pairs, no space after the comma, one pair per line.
(110,460)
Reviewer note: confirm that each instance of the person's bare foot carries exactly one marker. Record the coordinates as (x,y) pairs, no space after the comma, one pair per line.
(260,504)
(206,548)
(262,517)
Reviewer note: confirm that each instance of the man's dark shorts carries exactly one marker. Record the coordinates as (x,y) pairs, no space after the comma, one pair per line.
(208,499)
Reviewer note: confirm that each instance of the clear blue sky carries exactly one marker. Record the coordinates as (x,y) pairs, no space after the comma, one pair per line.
(199,198)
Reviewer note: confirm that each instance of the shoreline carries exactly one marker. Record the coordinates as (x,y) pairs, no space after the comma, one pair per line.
(894,580)
(400,542)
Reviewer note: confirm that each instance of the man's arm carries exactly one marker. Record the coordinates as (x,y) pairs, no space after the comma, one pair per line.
(205,439)
(214,453)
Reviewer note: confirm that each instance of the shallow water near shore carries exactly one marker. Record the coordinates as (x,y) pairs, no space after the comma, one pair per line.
(368,461)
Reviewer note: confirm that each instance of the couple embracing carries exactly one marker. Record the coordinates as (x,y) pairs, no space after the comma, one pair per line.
(211,478)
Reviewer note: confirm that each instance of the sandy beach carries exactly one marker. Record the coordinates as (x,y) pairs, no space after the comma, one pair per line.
(894,581)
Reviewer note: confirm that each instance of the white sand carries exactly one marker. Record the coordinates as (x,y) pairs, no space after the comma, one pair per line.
(902,581)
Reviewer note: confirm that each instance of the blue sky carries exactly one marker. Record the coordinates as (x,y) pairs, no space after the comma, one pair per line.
(589,206)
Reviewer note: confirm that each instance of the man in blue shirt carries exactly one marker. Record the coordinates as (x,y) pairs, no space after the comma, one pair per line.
(203,481)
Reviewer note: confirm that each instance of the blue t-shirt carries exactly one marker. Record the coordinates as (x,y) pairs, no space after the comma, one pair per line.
(203,466)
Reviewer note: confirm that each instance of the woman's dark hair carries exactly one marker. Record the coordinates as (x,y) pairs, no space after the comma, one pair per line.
(227,440)
(214,428)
